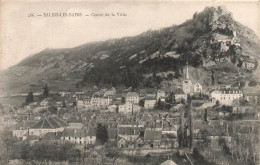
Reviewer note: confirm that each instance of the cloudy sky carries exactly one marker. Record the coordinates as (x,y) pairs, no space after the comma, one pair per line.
(22,36)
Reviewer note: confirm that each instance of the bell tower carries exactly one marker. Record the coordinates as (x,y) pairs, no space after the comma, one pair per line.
(186,84)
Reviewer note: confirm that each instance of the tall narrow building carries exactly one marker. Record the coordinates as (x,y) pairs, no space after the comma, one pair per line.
(186,83)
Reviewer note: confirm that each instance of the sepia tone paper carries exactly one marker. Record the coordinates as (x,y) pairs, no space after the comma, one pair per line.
(129,82)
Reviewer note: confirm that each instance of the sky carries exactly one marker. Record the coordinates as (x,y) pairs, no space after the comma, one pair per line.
(22,36)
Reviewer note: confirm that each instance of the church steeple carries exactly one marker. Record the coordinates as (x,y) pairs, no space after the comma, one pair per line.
(187,71)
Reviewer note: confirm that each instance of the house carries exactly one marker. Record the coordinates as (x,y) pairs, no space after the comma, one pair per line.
(160,95)
(179,95)
(44,102)
(168,162)
(48,124)
(252,95)
(197,88)
(223,46)
(170,130)
(130,137)
(99,101)
(21,129)
(199,128)
(152,137)
(79,136)
(218,129)
(248,63)
(132,97)
(110,92)
(242,109)
(126,108)
(84,102)
(112,108)
(75,121)
(226,95)
(149,103)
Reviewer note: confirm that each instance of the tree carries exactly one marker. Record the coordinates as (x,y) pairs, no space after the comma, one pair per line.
(29,98)
(206,115)
(217,103)
(160,104)
(190,107)
(46,91)
(63,103)
(172,98)
(102,135)
(113,152)
(212,78)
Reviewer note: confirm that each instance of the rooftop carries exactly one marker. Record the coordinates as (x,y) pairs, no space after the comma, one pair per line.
(50,123)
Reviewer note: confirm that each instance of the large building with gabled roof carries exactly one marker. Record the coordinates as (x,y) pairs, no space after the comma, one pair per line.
(48,124)
(179,94)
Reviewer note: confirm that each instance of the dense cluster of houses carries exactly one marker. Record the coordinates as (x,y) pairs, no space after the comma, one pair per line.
(129,116)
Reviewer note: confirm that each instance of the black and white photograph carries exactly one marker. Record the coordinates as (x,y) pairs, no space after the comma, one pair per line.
(135,82)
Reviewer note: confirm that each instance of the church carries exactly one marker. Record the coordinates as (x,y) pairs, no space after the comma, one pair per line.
(187,85)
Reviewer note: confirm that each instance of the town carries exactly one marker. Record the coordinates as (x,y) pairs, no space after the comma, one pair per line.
(189,124)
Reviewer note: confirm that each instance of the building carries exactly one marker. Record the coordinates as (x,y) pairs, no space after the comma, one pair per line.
(132,97)
(48,124)
(82,136)
(226,95)
(75,121)
(84,102)
(44,102)
(160,95)
(128,108)
(197,88)
(130,137)
(243,109)
(168,162)
(99,101)
(110,92)
(153,137)
(179,95)
(252,95)
(186,83)
(149,103)
(22,129)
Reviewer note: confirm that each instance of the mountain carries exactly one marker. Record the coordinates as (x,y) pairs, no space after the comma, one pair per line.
(217,48)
